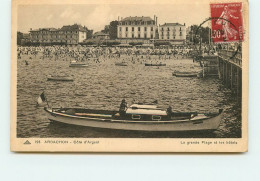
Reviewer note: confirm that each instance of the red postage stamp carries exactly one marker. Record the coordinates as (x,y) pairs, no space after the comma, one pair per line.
(226,21)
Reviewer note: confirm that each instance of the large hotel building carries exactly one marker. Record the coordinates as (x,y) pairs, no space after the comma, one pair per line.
(137,28)
(146,28)
(71,34)
(129,29)
(174,32)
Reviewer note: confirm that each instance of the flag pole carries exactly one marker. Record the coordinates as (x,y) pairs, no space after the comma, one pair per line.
(47,102)
(46,99)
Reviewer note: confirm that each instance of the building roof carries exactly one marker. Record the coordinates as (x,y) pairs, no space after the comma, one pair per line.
(143,18)
(73,28)
(48,29)
(26,35)
(172,24)
(99,33)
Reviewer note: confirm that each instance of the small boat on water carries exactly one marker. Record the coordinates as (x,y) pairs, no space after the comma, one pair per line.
(186,74)
(59,78)
(151,64)
(76,64)
(137,117)
(121,64)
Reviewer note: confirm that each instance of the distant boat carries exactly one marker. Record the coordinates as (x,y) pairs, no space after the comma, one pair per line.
(121,64)
(186,74)
(76,64)
(151,64)
(137,117)
(59,78)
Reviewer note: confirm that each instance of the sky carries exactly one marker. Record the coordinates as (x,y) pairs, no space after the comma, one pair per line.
(96,16)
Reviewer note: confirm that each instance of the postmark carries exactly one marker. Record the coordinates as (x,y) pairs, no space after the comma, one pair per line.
(227,22)
(213,34)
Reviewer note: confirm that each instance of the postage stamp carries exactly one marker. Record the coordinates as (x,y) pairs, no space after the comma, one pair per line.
(227,22)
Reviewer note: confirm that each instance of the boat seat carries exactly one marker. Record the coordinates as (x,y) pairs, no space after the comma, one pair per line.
(94,115)
(117,115)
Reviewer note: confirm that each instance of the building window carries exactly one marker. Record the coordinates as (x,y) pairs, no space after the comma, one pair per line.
(180,28)
(168,29)
(133,29)
(133,35)
(120,28)
(180,33)
(168,37)
(145,36)
(139,36)
(156,117)
(151,28)
(151,36)
(162,29)
(126,29)
(174,37)
(136,116)
(162,36)
(139,28)
(145,28)
(126,35)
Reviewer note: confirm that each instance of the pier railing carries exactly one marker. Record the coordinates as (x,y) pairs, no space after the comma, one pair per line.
(232,56)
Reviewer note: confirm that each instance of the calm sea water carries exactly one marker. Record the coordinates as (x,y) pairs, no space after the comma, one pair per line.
(103,85)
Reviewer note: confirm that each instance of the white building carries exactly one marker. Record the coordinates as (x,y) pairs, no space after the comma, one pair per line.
(173,32)
(71,34)
(137,28)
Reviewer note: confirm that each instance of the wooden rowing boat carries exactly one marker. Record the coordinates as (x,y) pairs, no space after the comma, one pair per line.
(121,64)
(59,78)
(150,64)
(137,117)
(186,74)
(76,64)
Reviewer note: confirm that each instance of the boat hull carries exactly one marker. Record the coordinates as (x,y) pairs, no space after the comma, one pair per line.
(154,64)
(185,74)
(78,65)
(109,123)
(60,79)
(120,64)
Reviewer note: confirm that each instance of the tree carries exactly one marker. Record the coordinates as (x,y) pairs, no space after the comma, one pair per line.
(111,29)
(19,37)
(89,32)
(106,29)
(199,32)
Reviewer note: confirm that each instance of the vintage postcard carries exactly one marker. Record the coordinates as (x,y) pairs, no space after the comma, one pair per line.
(129,76)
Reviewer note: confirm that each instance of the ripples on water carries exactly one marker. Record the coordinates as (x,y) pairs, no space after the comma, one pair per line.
(103,86)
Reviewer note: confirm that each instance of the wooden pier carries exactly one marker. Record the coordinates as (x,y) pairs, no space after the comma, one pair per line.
(230,67)
(227,65)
